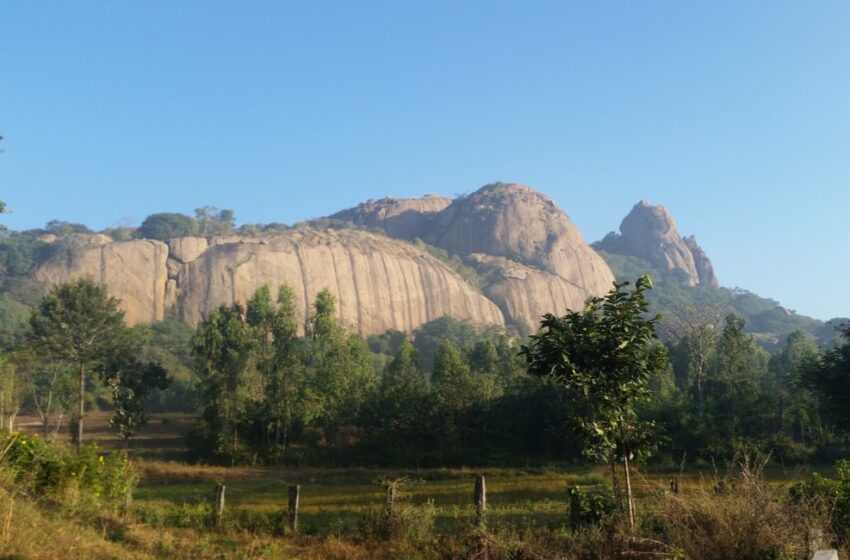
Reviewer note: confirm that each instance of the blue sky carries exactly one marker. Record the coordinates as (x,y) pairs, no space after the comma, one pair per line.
(734,115)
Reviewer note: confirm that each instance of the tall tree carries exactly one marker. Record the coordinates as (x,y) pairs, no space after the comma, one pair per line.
(829,378)
(79,324)
(221,348)
(605,356)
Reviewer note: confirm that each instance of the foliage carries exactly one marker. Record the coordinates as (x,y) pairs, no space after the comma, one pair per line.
(62,229)
(46,469)
(671,294)
(80,327)
(167,225)
(605,356)
(833,494)
(829,378)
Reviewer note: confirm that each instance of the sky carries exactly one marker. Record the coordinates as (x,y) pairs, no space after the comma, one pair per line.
(733,115)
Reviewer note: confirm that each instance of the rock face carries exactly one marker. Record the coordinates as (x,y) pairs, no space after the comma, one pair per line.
(649,232)
(405,218)
(134,271)
(529,256)
(379,283)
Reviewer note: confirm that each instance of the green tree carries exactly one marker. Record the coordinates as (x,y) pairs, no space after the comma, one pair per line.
(221,348)
(212,221)
(79,324)
(61,228)
(605,356)
(167,225)
(829,378)
(795,406)
(132,382)
(277,360)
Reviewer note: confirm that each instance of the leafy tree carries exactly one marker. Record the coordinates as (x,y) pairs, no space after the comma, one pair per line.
(61,228)
(212,221)
(277,359)
(605,356)
(795,404)
(457,390)
(221,347)
(395,414)
(132,382)
(167,225)
(79,324)
(829,378)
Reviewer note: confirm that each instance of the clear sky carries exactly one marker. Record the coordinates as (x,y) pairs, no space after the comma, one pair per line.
(734,115)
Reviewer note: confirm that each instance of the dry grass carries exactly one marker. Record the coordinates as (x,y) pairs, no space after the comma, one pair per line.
(737,516)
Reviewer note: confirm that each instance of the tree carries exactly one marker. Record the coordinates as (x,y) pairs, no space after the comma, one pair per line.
(213,221)
(131,382)
(221,348)
(829,378)
(79,324)
(62,228)
(605,356)
(786,366)
(695,331)
(167,225)
(3,209)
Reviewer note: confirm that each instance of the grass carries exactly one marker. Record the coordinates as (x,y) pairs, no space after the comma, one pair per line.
(527,517)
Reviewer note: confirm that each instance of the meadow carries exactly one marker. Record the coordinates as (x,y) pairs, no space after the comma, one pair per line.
(341,513)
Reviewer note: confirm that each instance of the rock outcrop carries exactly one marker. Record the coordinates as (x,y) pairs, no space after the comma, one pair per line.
(380,283)
(134,271)
(649,232)
(405,218)
(532,259)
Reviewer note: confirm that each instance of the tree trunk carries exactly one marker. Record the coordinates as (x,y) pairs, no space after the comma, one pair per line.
(615,484)
(79,441)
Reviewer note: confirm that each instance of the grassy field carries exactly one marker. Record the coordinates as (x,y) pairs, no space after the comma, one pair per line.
(170,517)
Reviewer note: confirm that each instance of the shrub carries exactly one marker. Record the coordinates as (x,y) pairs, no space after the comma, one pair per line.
(741,516)
(45,469)
(832,495)
(590,508)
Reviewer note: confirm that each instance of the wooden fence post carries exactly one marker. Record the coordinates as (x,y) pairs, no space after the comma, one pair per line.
(292,510)
(219,504)
(480,499)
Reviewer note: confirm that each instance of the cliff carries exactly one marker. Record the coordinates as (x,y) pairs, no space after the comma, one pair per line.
(529,256)
(649,232)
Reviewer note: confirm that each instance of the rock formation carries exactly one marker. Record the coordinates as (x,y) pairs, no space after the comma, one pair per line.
(529,256)
(134,271)
(404,218)
(649,232)
(380,283)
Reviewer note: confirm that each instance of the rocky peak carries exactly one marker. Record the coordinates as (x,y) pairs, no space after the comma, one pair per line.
(405,218)
(649,232)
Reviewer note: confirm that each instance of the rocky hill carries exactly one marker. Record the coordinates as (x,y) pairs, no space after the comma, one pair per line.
(531,258)
(380,283)
(526,256)
(649,232)
(503,255)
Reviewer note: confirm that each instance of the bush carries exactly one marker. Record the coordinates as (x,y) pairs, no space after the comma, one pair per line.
(833,495)
(45,469)
(591,508)
(740,517)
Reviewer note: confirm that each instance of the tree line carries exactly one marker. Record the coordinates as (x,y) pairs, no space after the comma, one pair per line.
(270,390)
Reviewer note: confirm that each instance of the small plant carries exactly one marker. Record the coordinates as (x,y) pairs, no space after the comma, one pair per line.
(590,508)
